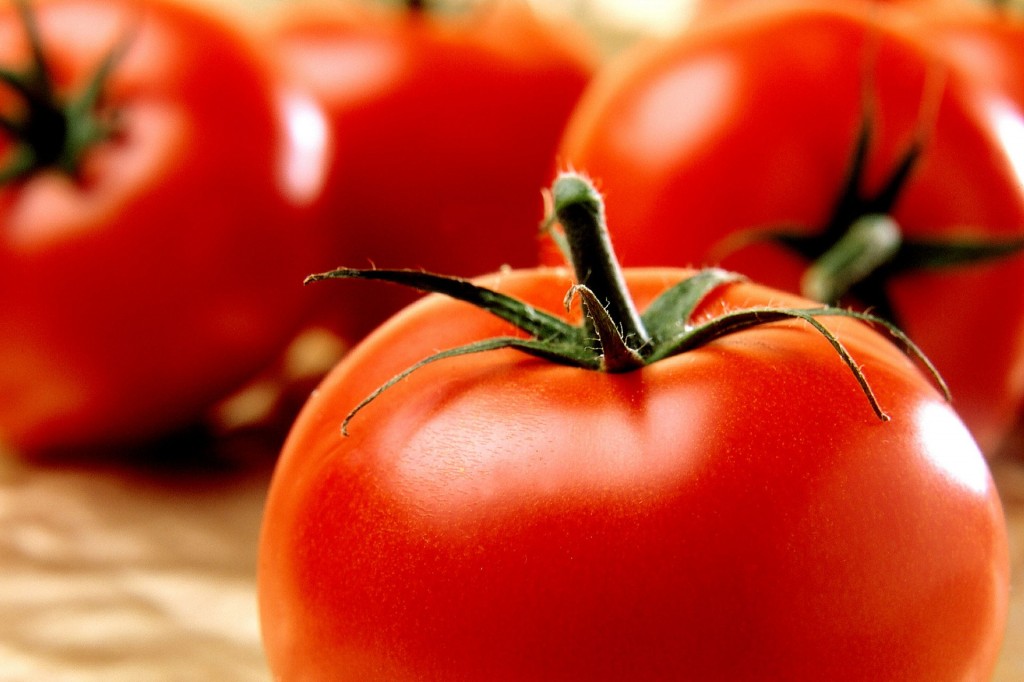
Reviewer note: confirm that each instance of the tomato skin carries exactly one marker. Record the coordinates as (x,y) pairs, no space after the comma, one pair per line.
(982,40)
(701,138)
(438,121)
(734,513)
(171,270)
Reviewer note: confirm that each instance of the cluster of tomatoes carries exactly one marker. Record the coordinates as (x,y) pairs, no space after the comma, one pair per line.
(169,177)
(650,472)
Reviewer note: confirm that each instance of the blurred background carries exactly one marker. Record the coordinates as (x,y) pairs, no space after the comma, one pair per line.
(141,565)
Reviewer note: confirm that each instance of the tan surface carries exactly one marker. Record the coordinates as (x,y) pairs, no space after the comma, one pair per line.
(137,574)
(140,577)
(1009,476)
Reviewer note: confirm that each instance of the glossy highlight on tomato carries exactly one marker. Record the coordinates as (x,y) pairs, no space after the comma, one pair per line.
(156,269)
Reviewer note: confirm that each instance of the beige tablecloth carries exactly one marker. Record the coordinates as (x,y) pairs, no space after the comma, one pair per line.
(146,574)
(134,575)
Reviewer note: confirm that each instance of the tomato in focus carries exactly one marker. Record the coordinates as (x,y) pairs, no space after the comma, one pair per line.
(753,122)
(445,127)
(733,512)
(160,267)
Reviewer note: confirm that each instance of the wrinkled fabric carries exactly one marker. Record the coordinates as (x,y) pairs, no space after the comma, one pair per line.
(108,576)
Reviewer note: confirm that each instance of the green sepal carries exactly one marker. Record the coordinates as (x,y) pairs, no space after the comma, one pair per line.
(732,322)
(930,255)
(867,280)
(615,354)
(563,354)
(85,128)
(53,132)
(670,313)
(18,82)
(21,165)
(609,337)
(534,322)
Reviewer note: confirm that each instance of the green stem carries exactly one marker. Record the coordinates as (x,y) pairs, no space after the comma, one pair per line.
(871,241)
(580,210)
(53,131)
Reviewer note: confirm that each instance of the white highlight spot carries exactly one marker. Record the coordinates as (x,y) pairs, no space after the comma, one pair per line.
(949,445)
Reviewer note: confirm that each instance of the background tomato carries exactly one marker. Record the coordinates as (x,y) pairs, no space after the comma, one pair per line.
(986,39)
(167,269)
(445,129)
(731,513)
(752,122)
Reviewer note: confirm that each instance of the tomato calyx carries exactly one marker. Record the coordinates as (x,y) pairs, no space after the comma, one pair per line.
(53,132)
(862,247)
(613,335)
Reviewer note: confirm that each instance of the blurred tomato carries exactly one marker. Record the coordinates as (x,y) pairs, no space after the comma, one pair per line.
(984,39)
(769,133)
(152,237)
(445,128)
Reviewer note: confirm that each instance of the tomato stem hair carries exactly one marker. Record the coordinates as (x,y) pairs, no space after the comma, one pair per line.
(579,209)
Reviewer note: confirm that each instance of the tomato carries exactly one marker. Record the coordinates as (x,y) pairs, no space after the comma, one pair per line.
(733,512)
(152,271)
(758,140)
(985,40)
(438,119)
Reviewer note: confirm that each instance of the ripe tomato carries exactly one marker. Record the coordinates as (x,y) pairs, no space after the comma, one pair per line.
(439,118)
(149,273)
(754,122)
(734,512)
(984,39)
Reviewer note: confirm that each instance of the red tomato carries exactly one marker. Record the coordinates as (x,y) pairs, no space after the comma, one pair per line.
(164,268)
(985,40)
(446,127)
(751,123)
(736,512)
